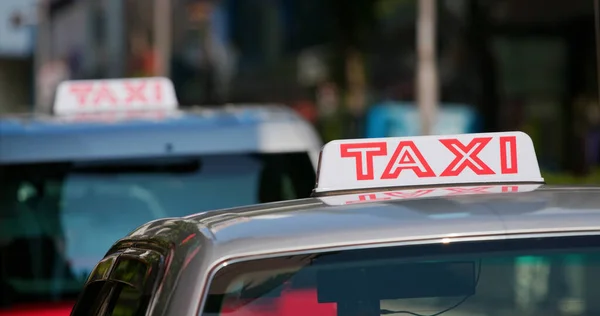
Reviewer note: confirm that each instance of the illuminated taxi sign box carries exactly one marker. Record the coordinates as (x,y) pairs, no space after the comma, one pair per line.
(115,95)
(427,161)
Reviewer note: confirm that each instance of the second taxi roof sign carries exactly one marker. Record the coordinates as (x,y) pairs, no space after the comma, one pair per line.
(114,95)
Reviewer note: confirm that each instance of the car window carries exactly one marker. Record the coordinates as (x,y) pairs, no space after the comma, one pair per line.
(99,208)
(543,276)
(126,292)
(58,220)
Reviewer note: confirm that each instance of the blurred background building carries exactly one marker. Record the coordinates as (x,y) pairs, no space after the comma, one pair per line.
(17,42)
(517,64)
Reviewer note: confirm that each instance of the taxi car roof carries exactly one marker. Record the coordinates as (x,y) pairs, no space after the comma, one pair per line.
(47,138)
(300,225)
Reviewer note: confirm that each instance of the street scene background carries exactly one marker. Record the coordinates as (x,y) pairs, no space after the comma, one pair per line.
(350,67)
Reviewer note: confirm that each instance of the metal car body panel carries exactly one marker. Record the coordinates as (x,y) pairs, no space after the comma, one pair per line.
(309,225)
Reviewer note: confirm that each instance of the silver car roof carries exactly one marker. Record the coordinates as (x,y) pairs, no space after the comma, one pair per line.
(210,240)
(310,224)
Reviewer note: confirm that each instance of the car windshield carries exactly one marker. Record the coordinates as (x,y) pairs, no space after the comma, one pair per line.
(538,276)
(58,220)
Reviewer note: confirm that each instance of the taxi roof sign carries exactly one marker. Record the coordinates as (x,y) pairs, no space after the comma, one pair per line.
(358,164)
(113,95)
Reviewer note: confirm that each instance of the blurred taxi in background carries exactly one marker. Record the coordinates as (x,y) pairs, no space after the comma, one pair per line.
(118,153)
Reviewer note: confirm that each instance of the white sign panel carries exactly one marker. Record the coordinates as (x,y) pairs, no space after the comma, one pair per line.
(112,95)
(428,160)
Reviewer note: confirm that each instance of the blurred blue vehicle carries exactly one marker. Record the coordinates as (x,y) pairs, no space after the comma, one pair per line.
(401,119)
(119,153)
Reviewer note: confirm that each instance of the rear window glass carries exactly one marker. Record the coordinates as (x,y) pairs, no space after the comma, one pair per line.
(540,277)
